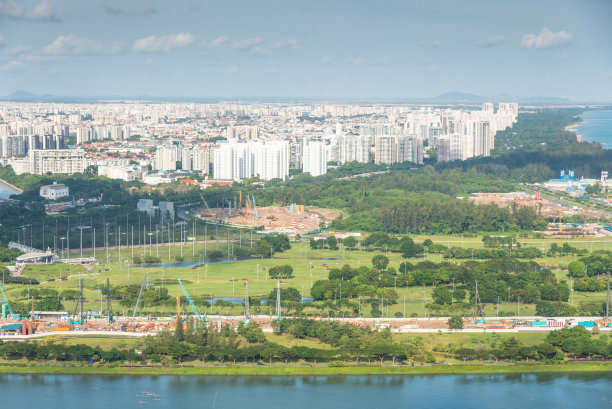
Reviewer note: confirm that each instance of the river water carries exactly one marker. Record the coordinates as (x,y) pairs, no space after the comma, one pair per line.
(540,391)
(6,191)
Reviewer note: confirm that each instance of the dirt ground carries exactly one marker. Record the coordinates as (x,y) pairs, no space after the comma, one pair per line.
(282,220)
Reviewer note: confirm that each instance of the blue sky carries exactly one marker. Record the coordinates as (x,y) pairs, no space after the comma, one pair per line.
(310,49)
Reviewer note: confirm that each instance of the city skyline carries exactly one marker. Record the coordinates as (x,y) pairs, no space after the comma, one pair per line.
(353,50)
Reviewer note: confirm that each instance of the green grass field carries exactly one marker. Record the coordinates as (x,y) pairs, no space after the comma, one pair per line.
(227,278)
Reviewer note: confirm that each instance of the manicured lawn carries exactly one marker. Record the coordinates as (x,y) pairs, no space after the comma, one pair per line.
(228,278)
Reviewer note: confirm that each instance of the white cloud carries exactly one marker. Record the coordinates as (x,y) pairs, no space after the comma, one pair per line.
(216,44)
(293,44)
(163,43)
(13,66)
(43,11)
(18,49)
(148,61)
(73,45)
(546,39)
(354,60)
(564,55)
(383,60)
(326,60)
(247,43)
(492,41)
(231,70)
(223,44)
(271,70)
(2,40)
(430,43)
(123,11)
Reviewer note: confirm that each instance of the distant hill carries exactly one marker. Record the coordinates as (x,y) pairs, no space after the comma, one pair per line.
(449,98)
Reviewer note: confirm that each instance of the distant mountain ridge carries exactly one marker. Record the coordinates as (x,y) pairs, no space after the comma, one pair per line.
(446,98)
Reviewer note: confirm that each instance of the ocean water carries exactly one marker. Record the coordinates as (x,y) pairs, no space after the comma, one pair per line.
(588,390)
(597,127)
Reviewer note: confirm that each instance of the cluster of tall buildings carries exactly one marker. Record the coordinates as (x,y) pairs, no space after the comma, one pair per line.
(238,141)
(175,155)
(242,160)
(463,137)
(85,134)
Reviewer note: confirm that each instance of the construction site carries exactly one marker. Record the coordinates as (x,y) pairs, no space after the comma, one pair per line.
(291,220)
(557,212)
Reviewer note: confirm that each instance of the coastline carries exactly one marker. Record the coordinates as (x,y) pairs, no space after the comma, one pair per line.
(4,182)
(232,370)
(574,128)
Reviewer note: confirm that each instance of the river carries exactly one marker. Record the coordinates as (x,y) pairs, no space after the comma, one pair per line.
(6,191)
(587,390)
(596,126)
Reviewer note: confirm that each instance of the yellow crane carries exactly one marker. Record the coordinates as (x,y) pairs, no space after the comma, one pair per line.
(210,212)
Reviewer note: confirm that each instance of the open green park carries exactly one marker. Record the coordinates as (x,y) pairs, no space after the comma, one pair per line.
(222,278)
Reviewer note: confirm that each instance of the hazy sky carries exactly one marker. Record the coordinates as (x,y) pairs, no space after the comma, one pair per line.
(312,49)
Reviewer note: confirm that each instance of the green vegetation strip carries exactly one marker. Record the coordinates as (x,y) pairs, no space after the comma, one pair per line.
(276,370)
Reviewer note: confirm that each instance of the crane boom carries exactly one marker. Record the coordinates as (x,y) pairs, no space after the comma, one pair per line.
(207,207)
(6,300)
(191,303)
(142,288)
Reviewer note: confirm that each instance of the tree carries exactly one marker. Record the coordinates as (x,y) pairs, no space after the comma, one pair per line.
(455,322)
(442,295)
(408,247)
(380,262)
(332,243)
(287,294)
(459,295)
(263,248)
(350,242)
(576,268)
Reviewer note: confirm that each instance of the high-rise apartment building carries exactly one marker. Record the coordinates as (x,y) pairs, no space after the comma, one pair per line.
(353,148)
(398,148)
(266,160)
(314,159)
(65,161)
(166,157)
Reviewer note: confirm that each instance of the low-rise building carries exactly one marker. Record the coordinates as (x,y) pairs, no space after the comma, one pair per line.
(54,191)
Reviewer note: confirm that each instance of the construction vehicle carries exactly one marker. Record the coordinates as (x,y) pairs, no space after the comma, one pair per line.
(196,313)
(7,307)
(210,212)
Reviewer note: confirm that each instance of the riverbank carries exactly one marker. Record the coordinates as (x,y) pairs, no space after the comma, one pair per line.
(279,370)
(4,184)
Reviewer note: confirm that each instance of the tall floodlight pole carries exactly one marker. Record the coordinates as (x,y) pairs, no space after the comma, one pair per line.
(247,312)
(608,298)
(94,243)
(205,235)
(278,300)
(119,247)
(67,239)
